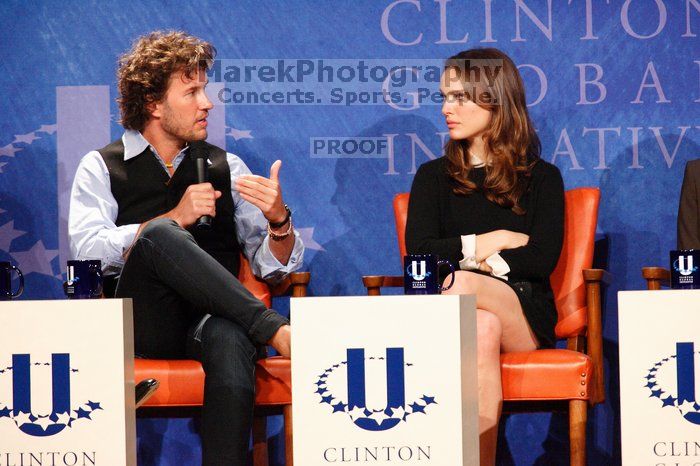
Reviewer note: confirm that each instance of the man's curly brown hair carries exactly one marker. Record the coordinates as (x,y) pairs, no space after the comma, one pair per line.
(145,70)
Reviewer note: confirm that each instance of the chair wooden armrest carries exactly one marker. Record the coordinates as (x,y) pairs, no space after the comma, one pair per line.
(593,279)
(656,277)
(374,283)
(295,284)
(597,275)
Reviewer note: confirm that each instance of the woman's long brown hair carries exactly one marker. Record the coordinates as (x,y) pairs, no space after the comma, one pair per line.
(510,140)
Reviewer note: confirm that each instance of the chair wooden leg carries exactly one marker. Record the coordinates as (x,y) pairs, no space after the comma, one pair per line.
(578,413)
(260,457)
(288,446)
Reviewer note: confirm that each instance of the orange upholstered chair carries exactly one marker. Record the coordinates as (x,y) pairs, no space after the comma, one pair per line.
(553,379)
(182,381)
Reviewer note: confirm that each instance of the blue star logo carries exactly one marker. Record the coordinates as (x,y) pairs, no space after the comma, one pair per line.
(44,424)
(82,413)
(93,405)
(363,416)
(340,407)
(661,380)
(418,408)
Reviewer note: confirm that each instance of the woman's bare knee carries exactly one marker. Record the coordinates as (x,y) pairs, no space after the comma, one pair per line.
(465,283)
(489,331)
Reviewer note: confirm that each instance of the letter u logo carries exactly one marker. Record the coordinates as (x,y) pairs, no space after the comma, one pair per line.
(70,275)
(683,268)
(685,374)
(21,392)
(415,272)
(395,386)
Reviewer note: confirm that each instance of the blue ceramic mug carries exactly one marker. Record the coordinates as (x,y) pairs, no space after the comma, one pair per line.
(421,274)
(6,292)
(84,279)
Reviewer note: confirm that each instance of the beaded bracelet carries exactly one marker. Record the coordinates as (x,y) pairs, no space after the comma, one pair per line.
(280,236)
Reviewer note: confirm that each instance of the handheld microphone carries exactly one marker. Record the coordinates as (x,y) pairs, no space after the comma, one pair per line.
(199,155)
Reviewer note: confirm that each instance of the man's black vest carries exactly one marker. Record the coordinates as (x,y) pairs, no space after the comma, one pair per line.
(143,191)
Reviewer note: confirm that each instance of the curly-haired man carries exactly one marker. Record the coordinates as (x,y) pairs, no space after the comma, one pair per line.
(134,205)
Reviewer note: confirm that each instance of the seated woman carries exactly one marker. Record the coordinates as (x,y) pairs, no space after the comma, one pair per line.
(491,206)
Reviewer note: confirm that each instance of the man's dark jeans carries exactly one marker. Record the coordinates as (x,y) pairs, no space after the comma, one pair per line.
(173,284)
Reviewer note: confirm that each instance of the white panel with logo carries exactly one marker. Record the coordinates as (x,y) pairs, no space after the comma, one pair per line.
(385,380)
(66,383)
(659,396)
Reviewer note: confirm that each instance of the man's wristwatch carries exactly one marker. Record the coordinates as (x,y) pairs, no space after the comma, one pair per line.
(277,225)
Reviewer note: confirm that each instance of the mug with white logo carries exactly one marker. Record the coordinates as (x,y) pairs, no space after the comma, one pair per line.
(6,292)
(421,274)
(84,279)
(684,269)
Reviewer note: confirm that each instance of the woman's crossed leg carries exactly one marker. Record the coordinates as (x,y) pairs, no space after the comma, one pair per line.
(501,327)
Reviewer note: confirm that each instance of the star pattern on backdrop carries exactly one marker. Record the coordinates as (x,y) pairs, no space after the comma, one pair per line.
(36,260)
(238,133)
(9,150)
(307,236)
(26,138)
(49,129)
(8,234)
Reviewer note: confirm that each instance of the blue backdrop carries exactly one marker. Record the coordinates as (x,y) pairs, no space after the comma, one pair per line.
(613,87)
